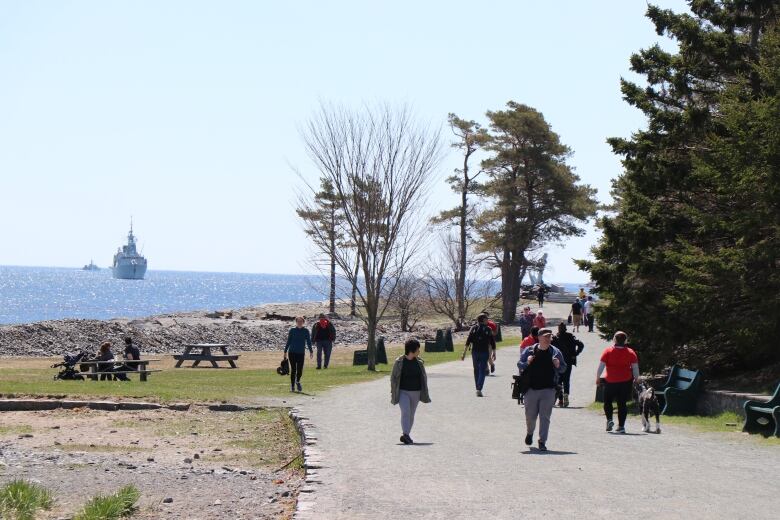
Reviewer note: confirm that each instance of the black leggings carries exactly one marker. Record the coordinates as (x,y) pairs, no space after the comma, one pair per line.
(566,378)
(620,392)
(296,367)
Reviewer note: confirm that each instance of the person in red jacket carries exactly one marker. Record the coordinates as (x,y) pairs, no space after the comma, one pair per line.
(530,340)
(539,321)
(622,368)
(323,334)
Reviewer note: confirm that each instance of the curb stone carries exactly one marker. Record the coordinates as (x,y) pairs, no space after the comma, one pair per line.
(312,460)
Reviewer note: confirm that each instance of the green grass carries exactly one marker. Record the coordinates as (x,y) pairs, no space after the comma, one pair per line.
(21,500)
(120,504)
(16,429)
(207,384)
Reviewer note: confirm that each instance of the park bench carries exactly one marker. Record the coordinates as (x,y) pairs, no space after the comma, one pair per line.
(143,370)
(680,392)
(759,415)
(206,355)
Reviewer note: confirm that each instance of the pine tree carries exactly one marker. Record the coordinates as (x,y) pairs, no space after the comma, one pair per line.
(534,195)
(664,244)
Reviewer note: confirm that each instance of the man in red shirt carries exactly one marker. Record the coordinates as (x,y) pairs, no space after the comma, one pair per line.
(622,368)
(530,340)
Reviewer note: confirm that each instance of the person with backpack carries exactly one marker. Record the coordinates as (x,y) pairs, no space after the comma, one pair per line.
(622,369)
(298,340)
(481,340)
(323,333)
(570,347)
(544,364)
(576,314)
(409,386)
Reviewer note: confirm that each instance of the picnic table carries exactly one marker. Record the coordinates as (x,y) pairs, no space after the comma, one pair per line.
(141,364)
(203,353)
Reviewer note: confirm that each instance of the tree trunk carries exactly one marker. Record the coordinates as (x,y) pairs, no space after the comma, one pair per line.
(460,285)
(509,287)
(371,347)
(353,299)
(332,304)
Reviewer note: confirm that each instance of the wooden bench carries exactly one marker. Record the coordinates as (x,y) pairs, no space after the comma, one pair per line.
(206,355)
(94,368)
(759,415)
(680,392)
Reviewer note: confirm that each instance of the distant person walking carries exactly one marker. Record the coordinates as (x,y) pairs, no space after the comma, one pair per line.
(494,329)
(298,340)
(545,364)
(526,321)
(590,317)
(409,386)
(576,314)
(481,341)
(323,333)
(539,320)
(622,368)
(570,347)
(540,295)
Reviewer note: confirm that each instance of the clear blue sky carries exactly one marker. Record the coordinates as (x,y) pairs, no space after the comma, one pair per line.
(185,114)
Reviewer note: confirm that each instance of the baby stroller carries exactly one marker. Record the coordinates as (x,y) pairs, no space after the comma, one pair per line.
(68,366)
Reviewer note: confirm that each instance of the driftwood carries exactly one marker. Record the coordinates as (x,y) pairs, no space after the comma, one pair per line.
(277,317)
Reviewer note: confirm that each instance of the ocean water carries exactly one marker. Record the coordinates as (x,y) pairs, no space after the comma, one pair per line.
(29,294)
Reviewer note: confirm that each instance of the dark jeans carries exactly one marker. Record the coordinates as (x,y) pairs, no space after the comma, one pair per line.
(566,377)
(296,367)
(324,346)
(589,321)
(480,362)
(621,392)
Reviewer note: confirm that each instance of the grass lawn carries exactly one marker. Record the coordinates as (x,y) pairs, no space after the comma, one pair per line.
(256,377)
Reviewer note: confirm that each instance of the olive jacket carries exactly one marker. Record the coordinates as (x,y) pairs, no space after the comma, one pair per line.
(395,381)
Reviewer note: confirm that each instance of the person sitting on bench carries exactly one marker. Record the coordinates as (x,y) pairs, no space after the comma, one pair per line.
(132,353)
(105,354)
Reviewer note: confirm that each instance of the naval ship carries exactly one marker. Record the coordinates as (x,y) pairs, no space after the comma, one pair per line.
(128,264)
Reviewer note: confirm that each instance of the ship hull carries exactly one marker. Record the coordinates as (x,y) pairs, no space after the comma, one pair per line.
(129,271)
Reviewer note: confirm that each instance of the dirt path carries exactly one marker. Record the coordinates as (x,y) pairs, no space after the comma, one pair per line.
(470,460)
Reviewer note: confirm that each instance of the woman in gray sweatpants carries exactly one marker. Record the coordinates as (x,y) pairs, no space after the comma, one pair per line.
(409,386)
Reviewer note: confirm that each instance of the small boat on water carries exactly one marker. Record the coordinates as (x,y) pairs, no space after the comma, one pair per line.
(90,267)
(128,263)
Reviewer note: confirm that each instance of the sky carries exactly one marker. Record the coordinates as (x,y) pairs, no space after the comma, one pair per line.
(186,115)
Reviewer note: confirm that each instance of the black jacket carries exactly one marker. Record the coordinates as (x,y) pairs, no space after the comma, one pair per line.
(481,338)
(569,346)
(320,334)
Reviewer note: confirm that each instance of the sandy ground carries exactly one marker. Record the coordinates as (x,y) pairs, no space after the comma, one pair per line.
(212,464)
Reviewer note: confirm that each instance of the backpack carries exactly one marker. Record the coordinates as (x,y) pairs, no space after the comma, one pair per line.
(284,368)
(481,337)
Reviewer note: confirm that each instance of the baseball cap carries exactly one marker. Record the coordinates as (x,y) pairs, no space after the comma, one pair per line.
(545,331)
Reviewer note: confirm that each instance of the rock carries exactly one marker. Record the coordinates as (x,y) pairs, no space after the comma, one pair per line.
(188,460)
(218,502)
(196,456)
(167,500)
(150,459)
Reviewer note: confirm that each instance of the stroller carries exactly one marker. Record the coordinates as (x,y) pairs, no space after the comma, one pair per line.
(68,366)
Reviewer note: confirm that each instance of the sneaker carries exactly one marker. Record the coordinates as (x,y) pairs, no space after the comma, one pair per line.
(479,393)
(318,368)
(300,388)
(405,439)
(610,425)
(565,400)
(542,446)
(560,403)
(621,429)
(292,388)
(529,439)
(492,368)
(409,439)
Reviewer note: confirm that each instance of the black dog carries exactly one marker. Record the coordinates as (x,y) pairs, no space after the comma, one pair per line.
(648,404)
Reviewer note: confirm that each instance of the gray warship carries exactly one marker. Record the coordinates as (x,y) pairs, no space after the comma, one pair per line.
(128,263)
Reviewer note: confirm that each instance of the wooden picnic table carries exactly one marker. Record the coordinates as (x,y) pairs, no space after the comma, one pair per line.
(142,367)
(203,353)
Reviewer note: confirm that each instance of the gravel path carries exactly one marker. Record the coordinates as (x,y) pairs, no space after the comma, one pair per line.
(470,460)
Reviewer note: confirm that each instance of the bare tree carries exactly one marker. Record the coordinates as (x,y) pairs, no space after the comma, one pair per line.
(443,282)
(408,300)
(380,161)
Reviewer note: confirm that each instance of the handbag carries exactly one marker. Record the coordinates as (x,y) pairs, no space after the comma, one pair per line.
(284,368)
(521,384)
(568,320)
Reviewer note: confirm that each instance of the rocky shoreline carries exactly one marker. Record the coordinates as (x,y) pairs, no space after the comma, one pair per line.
(246,329)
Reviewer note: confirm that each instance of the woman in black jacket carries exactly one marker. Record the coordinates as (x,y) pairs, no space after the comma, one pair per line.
(570,347)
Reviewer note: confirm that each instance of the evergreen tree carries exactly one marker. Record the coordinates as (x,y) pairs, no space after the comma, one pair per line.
(535,196)
(671,264)
(321,219)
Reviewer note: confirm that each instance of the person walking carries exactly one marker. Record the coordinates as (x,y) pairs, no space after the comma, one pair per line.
(323,333)
(409,386)
(531,339)
(576,314)
(539,320)
(526,321)
(493,329)
(298,340)
(570,347)
(545,364)
(590,318)
(481,340)
(540,295)
(622,369)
